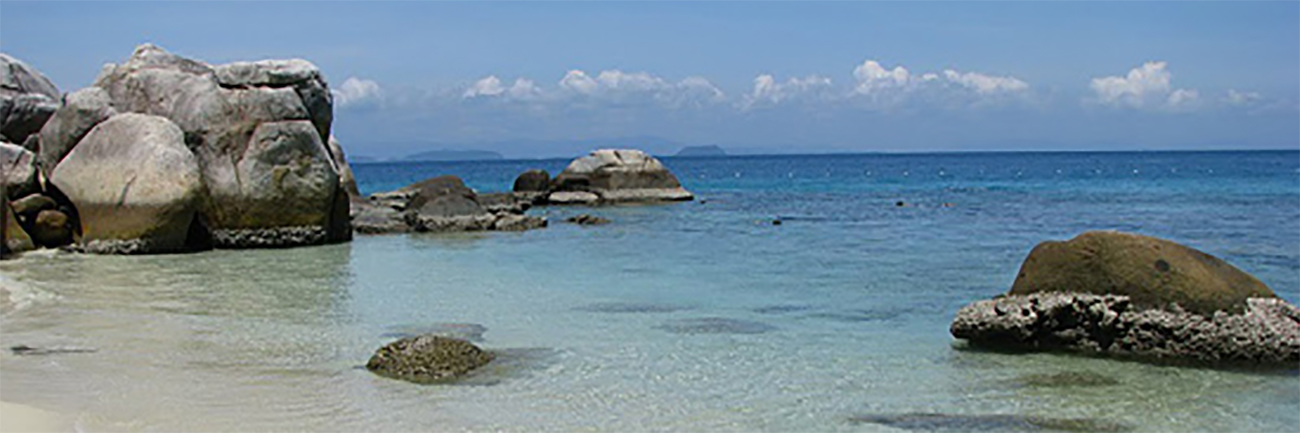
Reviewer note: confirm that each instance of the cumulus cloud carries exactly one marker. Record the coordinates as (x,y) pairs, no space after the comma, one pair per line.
(768,91)
(356,91)
(1146,86)
(884,87)
(985,84)
(491,86)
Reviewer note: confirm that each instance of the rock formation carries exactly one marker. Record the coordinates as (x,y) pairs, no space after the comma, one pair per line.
(614,176)
(1131,295)
(440,204)
(27,100)
(428,359)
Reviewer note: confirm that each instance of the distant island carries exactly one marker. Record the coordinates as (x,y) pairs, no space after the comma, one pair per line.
(701,151)
(454,155)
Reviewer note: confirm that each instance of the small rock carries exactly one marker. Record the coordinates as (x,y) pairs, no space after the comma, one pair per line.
(428,359)
(28,207)
(512,222)
(572,197)
(533,181)
(52,229)
(587,220)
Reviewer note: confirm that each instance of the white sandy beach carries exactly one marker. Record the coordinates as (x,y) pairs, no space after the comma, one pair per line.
(20,418)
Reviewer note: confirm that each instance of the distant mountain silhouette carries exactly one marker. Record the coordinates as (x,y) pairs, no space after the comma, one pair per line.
(701,151)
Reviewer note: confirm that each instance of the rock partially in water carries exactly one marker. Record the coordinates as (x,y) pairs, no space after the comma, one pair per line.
(533,181)
(618,175)
(464,331)
(938,422)
(442,204)
(1138,296)
(1267,333)
(629,307)
(587,220)
(51,229)
(428,359)
(1068,379)
(715,325)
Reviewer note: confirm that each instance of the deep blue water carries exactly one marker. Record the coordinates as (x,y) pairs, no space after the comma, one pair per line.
(1241,206)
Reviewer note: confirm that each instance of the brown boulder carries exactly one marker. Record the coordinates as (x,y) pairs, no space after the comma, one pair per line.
(428,359)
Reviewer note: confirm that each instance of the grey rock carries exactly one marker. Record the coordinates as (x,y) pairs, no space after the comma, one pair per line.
(81,111)
(517,223)
(133,179)
(373,219)
(15,239)
(533,181)
(260,133)
(621,175)
(18,171)
(428,359)
(1267,332)
(27,99)
(572,197)
(505,202)
(341,166)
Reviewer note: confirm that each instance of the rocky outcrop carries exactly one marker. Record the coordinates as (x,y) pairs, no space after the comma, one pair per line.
(441,204)
(533,181)
(136,186)
(1268,331)
(18,171)
(81,111)
(27,100)
(1131,295)
(258,132)
(344,170)
(428,359)
(616,176)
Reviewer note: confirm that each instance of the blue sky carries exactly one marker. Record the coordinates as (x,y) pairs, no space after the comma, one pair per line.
(523,78)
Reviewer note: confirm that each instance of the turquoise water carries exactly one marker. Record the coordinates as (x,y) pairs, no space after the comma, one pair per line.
(692,316)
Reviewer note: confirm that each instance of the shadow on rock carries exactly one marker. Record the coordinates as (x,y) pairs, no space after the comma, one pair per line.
(990,423)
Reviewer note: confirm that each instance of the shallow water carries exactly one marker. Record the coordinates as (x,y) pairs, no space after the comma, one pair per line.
(693,316)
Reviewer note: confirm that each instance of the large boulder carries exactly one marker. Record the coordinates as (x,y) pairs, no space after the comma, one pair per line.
(1153,272)
(81,111)
(18,171)
(259,131)
(533,181)
(27,99)
(621,176)
(428,359)
(1131,295)
(136,186)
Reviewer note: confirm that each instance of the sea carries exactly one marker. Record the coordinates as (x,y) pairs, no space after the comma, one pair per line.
(693,316)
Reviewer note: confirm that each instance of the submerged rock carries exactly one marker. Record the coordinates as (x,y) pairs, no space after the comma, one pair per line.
(428,359)
(1068,379)
(615,176)
(629,307)
(937,422)
(1131,295)
(587,220)
(716,325)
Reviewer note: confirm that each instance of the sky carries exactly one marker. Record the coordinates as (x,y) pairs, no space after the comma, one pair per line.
(539,79)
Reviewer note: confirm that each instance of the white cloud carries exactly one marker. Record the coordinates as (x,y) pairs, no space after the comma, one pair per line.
(1240,98)
(1146,86)
(491,86)
(768,91)
(984,84)
(883,88)
(356,91)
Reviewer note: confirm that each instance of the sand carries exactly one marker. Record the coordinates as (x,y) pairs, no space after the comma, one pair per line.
(20,418)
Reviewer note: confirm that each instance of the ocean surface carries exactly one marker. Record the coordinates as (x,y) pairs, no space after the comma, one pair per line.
(699,316)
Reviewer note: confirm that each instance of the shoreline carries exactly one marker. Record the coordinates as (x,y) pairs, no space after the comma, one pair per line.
(22,418)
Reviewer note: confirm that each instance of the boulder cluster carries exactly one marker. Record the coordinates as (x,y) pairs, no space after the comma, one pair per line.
(1136,296)
(607,176)
(164,153)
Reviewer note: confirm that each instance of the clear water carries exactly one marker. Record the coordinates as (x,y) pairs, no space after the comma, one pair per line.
(840,312)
